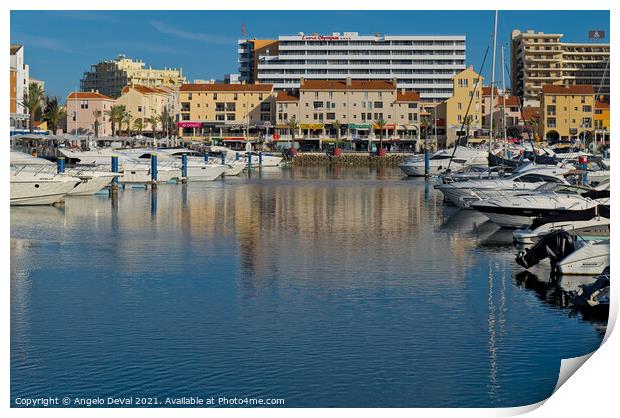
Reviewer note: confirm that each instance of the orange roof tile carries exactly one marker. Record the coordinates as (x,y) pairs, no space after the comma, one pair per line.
(579,89)
(409,96)
(215,87)
(601,105)
(531,112)
(286,97)
(342,85)
(88,95)
(510,101)
(486,91)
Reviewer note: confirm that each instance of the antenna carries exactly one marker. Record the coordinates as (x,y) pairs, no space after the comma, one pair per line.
(244,30)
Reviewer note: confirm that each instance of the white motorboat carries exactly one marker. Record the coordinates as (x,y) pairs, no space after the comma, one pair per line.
(440,160)
(569,254)
(588,228)
(464,193)
(589,258)
(518,210)
(91,182)
(43,188)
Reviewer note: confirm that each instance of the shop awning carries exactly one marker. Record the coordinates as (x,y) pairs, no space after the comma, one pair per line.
(311,126)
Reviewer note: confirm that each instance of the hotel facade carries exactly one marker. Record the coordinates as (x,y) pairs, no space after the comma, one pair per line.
(350,110)
(425,64)
(539,59)
(229,112)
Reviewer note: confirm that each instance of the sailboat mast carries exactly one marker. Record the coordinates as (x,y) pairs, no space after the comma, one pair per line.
(493,79)
(504,100)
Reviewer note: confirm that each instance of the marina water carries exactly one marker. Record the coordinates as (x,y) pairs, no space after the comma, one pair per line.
(346,287)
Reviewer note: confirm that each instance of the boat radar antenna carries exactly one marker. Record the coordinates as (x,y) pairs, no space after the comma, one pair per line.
(471,98)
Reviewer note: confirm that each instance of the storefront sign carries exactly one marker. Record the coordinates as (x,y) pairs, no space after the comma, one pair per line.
(189,124)
(313,126)
(390,126)
(358,126)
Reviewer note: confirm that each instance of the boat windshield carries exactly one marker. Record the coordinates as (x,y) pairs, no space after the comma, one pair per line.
(558,188)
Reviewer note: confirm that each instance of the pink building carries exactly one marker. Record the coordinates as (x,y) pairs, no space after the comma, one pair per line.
(84,109)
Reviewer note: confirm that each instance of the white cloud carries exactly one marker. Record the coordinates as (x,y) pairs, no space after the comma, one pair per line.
(194,36)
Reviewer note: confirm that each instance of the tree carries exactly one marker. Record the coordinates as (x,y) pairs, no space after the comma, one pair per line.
(138,125)
(337,125)
(53,113)
(127,120)
(33,100)
(293,125)
(116,115)
(164,119)
(96,124)
(380,123)
(153,121)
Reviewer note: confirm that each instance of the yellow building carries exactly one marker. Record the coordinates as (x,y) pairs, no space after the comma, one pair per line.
(144,102)
(110,77)
(566,112)
(601,121)
(452,112)
(237,111)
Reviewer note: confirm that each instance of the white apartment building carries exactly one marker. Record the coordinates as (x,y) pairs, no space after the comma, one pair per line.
(22,77)
(425,64)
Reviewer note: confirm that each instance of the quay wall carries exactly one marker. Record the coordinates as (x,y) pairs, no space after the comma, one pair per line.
(348,159)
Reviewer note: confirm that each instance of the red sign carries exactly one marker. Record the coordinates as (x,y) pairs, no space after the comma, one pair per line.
(189,124)
(325,38)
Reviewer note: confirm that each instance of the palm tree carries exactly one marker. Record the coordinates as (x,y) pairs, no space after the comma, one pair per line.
(116,115)
(153,121)
(380,123)
(53,113)
(293,125)
(138,125)
(164,119)
(127,119)
(33,100)
(96,124)
(337,125)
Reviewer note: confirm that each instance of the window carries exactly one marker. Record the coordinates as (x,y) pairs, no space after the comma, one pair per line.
(184,116)
(551,110)
(230,107)
(586,123)
(550,122)
(330,116)
(587,109)
(214,96)
(230,116)
(220,107)
(317,105)
(220,117)
(84,104)
(183,108)
(459,106)
(413,105)
(378,105)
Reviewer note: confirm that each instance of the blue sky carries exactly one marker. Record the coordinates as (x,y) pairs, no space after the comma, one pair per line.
(61,45)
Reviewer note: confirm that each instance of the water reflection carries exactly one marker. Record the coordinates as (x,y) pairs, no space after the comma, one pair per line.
(337,282)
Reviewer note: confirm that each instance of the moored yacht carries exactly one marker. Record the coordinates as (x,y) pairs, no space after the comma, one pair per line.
(442,159)
(39,188)
(518,210)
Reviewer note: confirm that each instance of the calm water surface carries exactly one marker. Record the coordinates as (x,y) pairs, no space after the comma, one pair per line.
(325,287)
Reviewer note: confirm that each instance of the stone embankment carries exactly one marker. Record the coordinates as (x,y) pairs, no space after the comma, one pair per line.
(348,159)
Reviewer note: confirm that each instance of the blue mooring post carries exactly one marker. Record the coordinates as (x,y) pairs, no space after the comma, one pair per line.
(260,159)
(237,156)
(60,164)
(427,163)
(115,170)
(206,157)
(154,168)
(184,167)
(223,158)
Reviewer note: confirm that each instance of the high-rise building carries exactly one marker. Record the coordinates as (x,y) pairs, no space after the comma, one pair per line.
(249,52)
(425,64)
(539,59)
(109,77)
